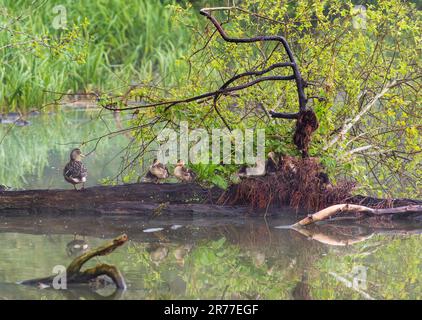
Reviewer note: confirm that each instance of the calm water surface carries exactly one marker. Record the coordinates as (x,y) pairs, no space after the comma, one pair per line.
(224,258)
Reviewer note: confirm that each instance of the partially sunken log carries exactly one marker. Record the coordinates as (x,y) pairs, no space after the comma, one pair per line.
(74,275)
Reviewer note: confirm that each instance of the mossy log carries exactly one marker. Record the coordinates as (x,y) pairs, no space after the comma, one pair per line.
(74,275)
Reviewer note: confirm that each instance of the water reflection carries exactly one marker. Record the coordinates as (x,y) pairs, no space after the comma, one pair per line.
(213,259)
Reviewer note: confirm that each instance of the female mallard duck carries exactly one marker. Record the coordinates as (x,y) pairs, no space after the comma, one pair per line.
(182,173)
(157,171)
(75,171)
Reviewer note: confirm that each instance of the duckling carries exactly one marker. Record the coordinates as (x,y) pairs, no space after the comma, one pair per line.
(75,171)
(324,181)
(289,164)
(157,171)
(271,165)
(258,258)
(182,173)
(242,171)
(257,171)
(180,253)
(302,290)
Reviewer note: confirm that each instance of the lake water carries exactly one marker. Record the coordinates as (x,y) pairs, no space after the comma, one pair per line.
(213,259)
(241,258)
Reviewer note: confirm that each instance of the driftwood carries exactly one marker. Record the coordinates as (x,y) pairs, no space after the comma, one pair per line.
(74,275)
(357,210)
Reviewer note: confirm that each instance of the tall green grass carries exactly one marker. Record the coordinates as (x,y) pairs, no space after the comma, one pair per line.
(126,41)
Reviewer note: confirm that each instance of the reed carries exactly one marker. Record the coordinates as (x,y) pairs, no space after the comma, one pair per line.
(126,41)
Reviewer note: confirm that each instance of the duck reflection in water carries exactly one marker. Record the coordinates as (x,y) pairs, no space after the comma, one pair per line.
(76,247)
(157,253)
(302,290)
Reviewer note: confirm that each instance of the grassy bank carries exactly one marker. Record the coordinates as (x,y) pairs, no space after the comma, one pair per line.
(112,44)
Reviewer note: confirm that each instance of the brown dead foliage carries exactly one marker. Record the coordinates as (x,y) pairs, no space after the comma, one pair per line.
(298,183)
(306,124)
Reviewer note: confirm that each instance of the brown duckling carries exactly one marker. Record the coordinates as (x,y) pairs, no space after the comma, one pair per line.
(182,173)
(242,171)
(157,171)
(75,171)
(289,164)
(324,181)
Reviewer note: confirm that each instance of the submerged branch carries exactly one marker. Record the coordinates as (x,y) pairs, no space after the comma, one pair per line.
(103,250)
(75,276)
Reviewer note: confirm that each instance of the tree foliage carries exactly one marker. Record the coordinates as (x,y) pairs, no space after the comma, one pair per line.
(363,72)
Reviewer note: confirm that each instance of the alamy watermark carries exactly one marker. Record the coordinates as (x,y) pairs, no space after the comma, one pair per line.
(356,280)
(359,17)
(60,20)
(60,280)
(197,146)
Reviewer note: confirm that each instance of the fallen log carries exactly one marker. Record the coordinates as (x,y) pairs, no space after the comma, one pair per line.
(146,200)
(357,210)
(74,275)
(141,198)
